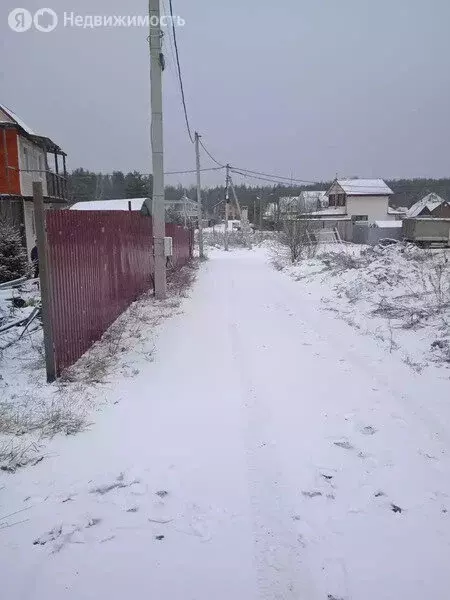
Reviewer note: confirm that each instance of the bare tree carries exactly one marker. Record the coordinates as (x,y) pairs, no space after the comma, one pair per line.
(296,236)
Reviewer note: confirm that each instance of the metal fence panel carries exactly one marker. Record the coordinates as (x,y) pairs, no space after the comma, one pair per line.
(182,243)
(364,234)
(100,262)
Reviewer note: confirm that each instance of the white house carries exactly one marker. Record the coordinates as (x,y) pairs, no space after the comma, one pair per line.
(359,200)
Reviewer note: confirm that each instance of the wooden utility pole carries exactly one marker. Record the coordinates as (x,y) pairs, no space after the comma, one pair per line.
(260,212)
(243,218)
(227,205)
(199,198)
(44,276)
(158,209)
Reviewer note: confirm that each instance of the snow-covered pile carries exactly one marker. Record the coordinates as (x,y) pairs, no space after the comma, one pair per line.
(399,294)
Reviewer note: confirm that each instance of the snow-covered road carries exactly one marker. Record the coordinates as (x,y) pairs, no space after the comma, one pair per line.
(268,452)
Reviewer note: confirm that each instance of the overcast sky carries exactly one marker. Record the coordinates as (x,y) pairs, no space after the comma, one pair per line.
(303,87)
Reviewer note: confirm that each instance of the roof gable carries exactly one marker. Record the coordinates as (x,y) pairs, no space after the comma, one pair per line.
(7,116)
(13,118)
(428,203)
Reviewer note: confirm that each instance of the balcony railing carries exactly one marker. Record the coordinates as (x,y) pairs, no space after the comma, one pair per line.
(56,186)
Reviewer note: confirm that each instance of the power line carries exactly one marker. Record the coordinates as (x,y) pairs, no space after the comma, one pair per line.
(93,174)
(275,176)
(210,155)
(180,78)
(172,50)
(193,171)
(277,181)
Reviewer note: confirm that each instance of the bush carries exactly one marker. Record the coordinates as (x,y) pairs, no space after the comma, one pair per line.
(13,256)
(298,239)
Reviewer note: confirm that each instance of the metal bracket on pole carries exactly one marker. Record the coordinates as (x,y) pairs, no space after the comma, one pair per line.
(44,276)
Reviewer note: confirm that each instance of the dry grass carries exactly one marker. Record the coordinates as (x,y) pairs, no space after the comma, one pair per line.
(15,454)
(38,412)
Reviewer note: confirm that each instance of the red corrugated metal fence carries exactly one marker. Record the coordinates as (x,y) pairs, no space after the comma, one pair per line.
(99,262)
(183,240)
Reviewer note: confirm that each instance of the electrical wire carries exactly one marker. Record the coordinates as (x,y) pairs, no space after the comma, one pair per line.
(92,175)
(210,155)
(277,181)
(193,171)
(180,78)
(172,50)
(289,179)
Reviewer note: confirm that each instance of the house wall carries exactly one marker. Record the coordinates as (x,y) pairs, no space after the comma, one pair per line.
(9,162)
(375,207)
(32,159)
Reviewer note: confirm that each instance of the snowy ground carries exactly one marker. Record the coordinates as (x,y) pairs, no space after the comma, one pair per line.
(32,412)
(399,294)
(267,451)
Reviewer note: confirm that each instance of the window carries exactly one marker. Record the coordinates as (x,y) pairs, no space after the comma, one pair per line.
(332,200)
(341,200)
(26,157)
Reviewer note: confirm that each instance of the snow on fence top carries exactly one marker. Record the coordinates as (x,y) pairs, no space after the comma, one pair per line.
(121,204)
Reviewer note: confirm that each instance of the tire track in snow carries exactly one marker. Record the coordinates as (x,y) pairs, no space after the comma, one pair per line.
(279,554)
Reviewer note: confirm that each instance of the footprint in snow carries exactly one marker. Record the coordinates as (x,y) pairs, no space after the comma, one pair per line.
(311,494)
(336,577)
(64,534)
(368,430)
(345,444)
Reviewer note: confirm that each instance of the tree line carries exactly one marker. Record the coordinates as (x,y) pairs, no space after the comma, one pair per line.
(86,185)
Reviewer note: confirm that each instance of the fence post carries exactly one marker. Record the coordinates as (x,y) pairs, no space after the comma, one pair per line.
(44,276)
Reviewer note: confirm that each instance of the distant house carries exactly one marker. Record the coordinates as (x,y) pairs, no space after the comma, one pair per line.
(185,208)
(26,157)
(361,199)
(431,205)
(313,200)
(291,206)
